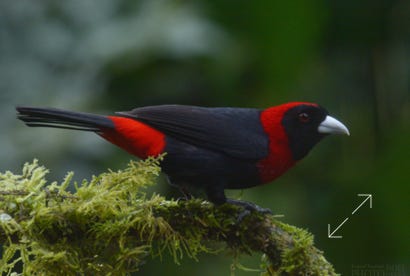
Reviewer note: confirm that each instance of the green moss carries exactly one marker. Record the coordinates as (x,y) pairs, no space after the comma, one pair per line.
(110,226)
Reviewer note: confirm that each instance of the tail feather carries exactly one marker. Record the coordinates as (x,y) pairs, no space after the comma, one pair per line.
(57,118)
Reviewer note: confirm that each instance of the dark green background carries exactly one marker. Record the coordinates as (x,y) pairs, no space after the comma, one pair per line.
(353,57)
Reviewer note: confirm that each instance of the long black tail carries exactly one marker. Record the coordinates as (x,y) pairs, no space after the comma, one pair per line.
(57,118)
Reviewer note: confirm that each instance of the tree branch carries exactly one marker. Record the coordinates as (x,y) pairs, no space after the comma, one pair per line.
(108,225)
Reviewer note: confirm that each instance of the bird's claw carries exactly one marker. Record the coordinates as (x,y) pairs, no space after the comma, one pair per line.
(185,198)
(248,207)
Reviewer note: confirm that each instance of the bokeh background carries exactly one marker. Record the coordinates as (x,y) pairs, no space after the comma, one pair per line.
(353,57)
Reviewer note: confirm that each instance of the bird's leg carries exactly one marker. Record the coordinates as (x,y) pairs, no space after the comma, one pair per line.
(182,188)
(216,195)
(186,194)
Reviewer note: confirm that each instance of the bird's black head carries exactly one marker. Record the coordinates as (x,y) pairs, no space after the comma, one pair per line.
(306,124)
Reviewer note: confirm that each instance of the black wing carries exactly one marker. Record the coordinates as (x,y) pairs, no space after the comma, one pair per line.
(236,132)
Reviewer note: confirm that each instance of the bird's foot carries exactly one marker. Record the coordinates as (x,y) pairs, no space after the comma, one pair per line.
(252,207)
(186,195)
(248,207)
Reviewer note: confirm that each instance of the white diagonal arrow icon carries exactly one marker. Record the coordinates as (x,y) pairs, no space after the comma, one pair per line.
(330,235)
(368,196)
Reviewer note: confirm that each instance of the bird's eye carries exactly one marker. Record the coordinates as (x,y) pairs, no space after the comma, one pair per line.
(304,117)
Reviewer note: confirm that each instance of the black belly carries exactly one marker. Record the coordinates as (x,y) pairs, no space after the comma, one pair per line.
(197,167)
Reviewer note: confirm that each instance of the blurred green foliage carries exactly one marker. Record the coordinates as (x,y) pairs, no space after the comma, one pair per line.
(353,57)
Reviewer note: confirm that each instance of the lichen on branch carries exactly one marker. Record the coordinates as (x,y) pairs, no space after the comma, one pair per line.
(109,225)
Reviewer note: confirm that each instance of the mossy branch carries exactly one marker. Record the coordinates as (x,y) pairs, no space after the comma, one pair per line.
(108,226)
